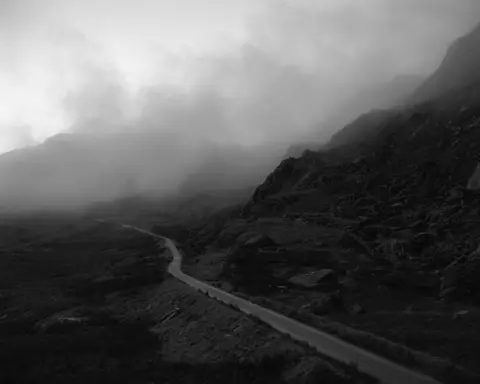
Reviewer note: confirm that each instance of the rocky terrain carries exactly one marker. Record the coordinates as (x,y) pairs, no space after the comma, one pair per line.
(458,69)
(378,230)
(82,301)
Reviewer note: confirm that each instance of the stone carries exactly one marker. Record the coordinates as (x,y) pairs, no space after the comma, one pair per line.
(356,309)
(259,241)
(315,278)
(448,294)
(62,321)
(460,314)
(474,181)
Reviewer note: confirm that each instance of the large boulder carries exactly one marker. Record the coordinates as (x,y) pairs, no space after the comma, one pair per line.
(315,279)
(474,181)
(256,241)
(64,321)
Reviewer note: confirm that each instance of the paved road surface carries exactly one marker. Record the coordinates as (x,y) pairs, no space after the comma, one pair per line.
(384,370)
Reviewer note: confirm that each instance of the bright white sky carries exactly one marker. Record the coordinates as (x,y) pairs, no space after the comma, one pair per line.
(45,44)
(49,49)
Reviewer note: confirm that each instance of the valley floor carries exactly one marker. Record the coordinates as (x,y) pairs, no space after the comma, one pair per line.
(90,302)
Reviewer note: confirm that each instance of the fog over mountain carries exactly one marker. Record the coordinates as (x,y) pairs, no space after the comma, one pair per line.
(153,92)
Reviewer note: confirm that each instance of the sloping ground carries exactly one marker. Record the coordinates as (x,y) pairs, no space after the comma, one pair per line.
(414,175)
(87,302)
(458,69)
(395,218)
(400,303)
(362,128)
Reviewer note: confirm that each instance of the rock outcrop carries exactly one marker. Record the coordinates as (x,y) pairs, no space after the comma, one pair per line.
(402,185)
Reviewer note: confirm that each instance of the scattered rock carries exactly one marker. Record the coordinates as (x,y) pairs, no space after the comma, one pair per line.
(315,279)
(259,241)
(349,240)
(62,322)
(460,314)
(299,221)
(355,309)
(448,294)
(474,181)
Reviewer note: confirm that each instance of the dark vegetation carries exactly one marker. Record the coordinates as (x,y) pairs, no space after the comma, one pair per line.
(107,349)
(55,275)
(69,313)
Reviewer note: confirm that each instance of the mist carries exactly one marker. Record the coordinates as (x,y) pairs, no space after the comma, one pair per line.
(152,94)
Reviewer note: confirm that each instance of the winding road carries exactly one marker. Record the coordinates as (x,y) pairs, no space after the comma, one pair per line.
(384,370)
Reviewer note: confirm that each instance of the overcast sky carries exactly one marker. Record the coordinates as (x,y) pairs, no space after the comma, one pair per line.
(235,70)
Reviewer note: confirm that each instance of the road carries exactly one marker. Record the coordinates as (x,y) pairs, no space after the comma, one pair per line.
(384,370)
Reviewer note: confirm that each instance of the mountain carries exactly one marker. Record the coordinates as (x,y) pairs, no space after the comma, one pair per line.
(74,170)
(396,168)
(392,94)
(452,95)
(458,69)
(70,170)
(457,72)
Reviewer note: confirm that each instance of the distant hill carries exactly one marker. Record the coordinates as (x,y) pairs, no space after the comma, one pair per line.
(74,170)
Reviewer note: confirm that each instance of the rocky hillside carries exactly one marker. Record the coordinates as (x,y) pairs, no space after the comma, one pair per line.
(458,69)
(392,94)
(409,170)
(377,231)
